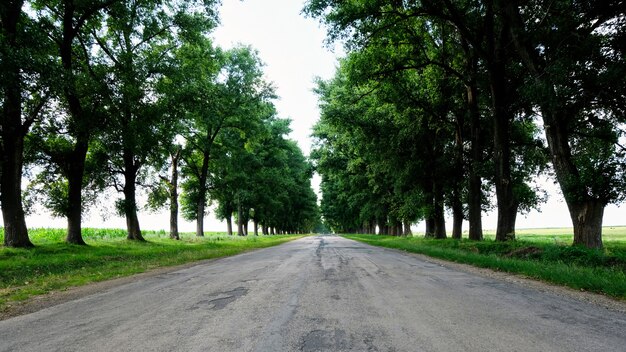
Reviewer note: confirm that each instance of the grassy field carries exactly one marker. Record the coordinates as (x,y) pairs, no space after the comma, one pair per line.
(55,265)
(544,254)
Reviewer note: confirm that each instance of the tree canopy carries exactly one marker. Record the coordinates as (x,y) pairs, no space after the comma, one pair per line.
(438,103)
(115,95)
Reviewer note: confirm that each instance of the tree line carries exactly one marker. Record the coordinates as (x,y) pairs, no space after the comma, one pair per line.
(454,104)
(105,95)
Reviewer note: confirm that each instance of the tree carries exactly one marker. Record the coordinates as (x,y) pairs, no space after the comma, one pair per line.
(574,54)
(216,91)
(138,39)
(81,95)
(25,70)
(459,42)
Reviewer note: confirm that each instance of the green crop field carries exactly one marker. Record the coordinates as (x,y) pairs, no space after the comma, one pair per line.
(55,265)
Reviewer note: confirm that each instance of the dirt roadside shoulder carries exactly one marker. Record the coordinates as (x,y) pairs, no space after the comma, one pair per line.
(54,298)
(516,279)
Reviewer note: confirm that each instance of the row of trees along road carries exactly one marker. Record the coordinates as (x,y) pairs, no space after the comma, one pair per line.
(133,96)
(439,102)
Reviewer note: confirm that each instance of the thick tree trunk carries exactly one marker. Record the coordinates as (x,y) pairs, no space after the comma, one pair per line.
(200,218)
(429,232)
(273,230)
(132,221)
(75,174)
(475,192)
(439,214)
(383,228)
(407,228)
(130,197)
(15,231)
(457,213)
(587,219)
(13,132)
(256,227)
(457,220)
(239,221)
(229,225)
(502,117)
(586,212)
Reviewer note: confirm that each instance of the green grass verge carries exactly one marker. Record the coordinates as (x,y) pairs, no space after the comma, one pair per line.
(601,271)
(55,265)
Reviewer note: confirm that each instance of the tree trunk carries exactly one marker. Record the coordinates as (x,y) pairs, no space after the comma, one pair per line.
(130,197)
(256,227)
(439,214)
(75,174)
(204,171)
(587,219)
(200,218)
(502,117)
(173,187)
(586,212)
(458,178)
(13,132)
(383,228)
(229,225)
(440,223)
(457,213)
(429,232)
(132,221)
(407,228)
(457,219)
(475,193)
(273,230)
(15,231)
(239,221)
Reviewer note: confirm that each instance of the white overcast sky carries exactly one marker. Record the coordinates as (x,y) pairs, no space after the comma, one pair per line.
(292,47)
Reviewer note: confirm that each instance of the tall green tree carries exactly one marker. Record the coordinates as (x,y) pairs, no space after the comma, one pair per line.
(574,52)
(25,74)
(463,42)
(217,92)
(138,39)
(81,93)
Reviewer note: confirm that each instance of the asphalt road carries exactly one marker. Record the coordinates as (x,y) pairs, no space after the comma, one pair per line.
(319,294)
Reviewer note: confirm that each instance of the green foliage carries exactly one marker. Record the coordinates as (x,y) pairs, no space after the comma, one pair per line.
(400,102)
(111,88)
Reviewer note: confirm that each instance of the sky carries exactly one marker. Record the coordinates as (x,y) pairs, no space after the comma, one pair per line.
(293,50)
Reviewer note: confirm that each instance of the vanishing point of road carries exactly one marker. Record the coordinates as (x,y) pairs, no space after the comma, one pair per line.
(322,293)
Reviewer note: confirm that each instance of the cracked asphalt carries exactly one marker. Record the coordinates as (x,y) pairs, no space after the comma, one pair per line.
(323,293)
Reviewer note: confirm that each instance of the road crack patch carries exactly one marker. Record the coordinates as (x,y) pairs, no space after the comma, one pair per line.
(221,302)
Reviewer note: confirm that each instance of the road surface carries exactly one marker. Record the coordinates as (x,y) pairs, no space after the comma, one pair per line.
(320,293)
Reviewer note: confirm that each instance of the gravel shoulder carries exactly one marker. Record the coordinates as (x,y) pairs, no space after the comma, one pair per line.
(54,298)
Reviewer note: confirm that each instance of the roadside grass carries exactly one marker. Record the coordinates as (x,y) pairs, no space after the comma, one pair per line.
(542,254)
(54,265)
